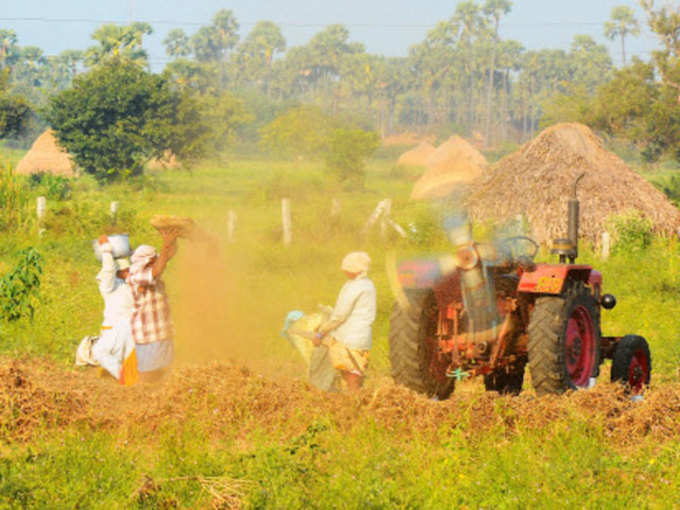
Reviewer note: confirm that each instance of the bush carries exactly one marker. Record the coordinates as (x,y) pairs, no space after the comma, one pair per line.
(632,231)
(13,199)
(115,118)
(301,131)
(348,150)
(54,187)
(19,287)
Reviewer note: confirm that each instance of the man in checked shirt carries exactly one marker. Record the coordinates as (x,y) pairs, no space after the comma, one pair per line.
(150,322)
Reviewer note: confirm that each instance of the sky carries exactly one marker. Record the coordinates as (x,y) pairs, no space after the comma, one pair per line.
(387,27)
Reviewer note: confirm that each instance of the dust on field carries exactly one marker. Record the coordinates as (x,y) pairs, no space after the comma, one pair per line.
(229,399)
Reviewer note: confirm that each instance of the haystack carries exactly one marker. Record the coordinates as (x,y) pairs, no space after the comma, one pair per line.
(416,156)
(537,180)
(167,161)
(453,164)
(46,156)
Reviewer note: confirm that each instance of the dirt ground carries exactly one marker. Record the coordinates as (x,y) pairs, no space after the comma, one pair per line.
(36,394)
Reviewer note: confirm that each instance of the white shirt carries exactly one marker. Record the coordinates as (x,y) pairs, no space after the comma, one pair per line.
(118,303)
(356,309)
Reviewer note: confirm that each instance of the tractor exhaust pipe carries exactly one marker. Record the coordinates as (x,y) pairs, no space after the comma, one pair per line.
(573,220)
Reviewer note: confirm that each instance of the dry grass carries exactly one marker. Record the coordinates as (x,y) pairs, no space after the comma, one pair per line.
(537,180)
(46,156)
(228,398)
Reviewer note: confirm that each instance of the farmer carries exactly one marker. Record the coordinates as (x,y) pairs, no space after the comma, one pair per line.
(150,322)
(115,344)
(348,330)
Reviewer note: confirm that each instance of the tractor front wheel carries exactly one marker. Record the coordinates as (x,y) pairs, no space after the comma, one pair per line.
(564,341)
(632,363)
(414,350)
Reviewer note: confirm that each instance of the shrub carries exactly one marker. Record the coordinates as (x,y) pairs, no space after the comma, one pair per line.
(13,199)
(19,287)
(301,131)
(54,187)
(348,150)
(632,230)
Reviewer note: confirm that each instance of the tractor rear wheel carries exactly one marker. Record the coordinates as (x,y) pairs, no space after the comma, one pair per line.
(632,363)
(414,351)
(564,341)
(505,383)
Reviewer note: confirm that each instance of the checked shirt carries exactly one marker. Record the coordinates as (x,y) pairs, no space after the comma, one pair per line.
(150,321)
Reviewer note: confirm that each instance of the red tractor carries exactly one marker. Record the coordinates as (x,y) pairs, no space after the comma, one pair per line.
(490,310)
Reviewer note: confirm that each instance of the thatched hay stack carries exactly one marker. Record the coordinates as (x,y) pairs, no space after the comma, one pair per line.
(416,156)
(538,179)
(167,161)
(46,156)
(453,164)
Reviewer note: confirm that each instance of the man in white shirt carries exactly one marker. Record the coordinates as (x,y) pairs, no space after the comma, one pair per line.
(115,342)
(348,331)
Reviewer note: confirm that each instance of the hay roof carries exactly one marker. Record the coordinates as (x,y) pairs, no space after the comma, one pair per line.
(452,164)
(416,156)
(537,181)
(46,156)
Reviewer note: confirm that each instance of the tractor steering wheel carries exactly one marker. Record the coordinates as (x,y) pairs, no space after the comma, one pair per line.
(513,245)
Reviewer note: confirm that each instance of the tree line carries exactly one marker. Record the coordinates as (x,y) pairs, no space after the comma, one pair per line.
(463,77)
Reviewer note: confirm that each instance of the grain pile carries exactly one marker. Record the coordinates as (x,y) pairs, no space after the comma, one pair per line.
(537,181)
(46,156)
(454,163)
(229,399)
(416,156)
(167,161)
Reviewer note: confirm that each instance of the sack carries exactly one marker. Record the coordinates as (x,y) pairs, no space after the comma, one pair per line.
(321,372)
(84,352)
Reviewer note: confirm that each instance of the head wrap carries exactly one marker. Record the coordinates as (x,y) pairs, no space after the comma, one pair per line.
(141,257)
(122,263)
(356,262)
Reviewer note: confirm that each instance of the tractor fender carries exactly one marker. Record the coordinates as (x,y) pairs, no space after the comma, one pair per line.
(550,278)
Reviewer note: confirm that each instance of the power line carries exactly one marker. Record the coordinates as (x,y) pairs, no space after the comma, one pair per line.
(291,25)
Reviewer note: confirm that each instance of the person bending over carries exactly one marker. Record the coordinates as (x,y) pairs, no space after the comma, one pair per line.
(348,330)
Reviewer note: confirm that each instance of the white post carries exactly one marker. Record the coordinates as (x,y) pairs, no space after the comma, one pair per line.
(375,215)
(113,210)
(385,218)
(287,224)
(231,226)
(335,208)
(606,245)
(398,228)
(41,208)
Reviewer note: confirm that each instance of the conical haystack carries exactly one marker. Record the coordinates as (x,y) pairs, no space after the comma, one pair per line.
(537,181)
(46,156)
(452,164)
(416,156)
(167,161)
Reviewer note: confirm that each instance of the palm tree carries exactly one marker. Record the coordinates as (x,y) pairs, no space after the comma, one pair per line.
(622,24)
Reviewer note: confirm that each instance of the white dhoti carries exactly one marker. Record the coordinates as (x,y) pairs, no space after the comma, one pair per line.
(113,347)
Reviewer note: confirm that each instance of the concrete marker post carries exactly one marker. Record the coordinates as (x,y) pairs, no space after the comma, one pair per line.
(41,209)
(287,223)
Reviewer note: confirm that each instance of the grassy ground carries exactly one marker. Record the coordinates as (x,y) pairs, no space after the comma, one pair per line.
(230,308)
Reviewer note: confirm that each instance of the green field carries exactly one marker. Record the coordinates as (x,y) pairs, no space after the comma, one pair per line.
(264,439)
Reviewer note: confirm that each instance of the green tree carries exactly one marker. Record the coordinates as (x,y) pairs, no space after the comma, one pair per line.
(621,25)
(255,55)
(301,131)
(213,42)
(494,9)
(15,114)
(348,150)
(177,43)
(119,42)
(115,118)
